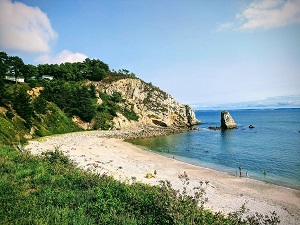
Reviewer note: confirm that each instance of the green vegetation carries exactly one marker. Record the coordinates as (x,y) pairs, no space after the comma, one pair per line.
(14,129)
(90,69)
(58,100)
(109,108)
(73,98)
(48,189)
(54,122)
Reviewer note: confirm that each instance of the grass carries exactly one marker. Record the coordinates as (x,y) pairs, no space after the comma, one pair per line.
(53,122)
(11,130)
(49,189)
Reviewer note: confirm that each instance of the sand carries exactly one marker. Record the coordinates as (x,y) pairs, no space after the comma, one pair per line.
(226,193)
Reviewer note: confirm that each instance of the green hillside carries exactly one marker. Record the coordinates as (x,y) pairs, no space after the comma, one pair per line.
(41,100)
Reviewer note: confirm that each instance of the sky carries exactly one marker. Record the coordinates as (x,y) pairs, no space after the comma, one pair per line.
(233,53)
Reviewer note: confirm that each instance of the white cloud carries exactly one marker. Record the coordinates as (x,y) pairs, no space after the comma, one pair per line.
(266,14)
(63,56)
(24,28)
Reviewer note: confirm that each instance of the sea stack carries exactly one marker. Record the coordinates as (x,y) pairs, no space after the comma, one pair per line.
(226,121)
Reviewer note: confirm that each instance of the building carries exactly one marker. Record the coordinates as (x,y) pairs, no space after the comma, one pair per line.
(15,79)
(45,77)
(42,77)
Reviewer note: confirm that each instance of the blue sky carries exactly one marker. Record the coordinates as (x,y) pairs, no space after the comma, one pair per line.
(204,53)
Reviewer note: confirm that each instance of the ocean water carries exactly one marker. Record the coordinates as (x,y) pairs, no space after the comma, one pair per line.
(272,146)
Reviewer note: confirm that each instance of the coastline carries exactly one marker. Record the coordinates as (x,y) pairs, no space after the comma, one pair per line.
(105,152)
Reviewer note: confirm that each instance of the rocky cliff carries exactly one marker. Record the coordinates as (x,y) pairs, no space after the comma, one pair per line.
(152,105)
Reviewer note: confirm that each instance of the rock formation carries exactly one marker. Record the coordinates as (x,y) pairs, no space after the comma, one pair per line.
(152,105)
(226,121)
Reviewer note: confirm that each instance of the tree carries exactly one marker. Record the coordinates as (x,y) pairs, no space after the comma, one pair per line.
(54,70)
(16,66)
(22,105)
(40,105)
(83,106)
(3,64)
(2,91)
(95,69)
(30,71)
(44,69)
(93,91)
(67,71)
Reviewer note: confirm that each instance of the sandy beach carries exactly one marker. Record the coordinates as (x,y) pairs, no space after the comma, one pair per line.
(99,152)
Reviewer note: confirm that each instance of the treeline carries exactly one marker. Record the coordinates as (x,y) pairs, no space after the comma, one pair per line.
(90,69)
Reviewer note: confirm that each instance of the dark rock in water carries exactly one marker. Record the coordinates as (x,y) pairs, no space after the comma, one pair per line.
(214,128)
(251,126)
(226,121)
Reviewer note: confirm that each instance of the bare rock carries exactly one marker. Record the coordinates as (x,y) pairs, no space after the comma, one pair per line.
(152,105)
(226,121)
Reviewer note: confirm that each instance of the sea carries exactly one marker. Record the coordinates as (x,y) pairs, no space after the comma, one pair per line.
(269,152)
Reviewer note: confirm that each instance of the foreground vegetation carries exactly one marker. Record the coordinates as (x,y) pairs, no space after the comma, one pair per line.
(49,189)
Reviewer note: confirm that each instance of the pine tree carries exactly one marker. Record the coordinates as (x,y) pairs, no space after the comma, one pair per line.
(23,107)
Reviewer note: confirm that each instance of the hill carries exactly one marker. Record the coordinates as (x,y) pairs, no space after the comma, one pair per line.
(81,96)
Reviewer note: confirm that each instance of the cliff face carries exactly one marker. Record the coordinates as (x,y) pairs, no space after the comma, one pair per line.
(152,105)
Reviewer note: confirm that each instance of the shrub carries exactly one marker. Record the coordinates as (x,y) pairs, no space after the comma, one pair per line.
(40,105)
(9,114)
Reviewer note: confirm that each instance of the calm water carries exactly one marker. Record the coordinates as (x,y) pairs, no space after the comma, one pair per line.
(273,145)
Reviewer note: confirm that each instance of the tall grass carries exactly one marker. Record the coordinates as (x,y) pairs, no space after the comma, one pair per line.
(49,189)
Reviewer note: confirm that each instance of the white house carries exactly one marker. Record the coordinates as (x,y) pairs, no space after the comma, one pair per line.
(46,77)
(42,77)
(13,78)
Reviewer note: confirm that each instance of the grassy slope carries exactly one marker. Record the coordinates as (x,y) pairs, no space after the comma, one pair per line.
(53,122)
(50,190)
(12,130)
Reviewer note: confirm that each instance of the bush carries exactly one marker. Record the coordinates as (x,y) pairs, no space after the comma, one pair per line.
(40,105)
(9,114)
(110,106)
(56,156)
(102,121)
(130,114)
(22,105)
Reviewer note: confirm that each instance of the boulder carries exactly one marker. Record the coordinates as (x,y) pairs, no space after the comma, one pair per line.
(213,128)
(226,121)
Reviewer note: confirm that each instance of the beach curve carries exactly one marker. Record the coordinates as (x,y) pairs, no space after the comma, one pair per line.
(105,152)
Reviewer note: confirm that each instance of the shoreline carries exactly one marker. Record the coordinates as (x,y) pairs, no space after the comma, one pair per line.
(230,173)
(102,152)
